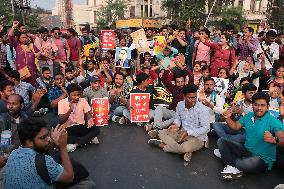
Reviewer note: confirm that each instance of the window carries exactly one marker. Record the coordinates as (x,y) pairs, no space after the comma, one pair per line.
(252,5)
(132,11)
(241,3)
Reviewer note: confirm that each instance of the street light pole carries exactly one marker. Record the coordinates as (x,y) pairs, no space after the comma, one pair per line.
(209,13)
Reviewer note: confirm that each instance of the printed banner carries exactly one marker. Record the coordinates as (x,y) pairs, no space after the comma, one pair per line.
(100,108)
(159,44)
(139,103)
(122,57)
(162,97)
(221,85)
(108,39)
(140,40)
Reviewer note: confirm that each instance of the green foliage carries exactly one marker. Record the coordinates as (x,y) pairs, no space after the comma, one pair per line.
(112,11)
(7,16)
(230,15)
(275,13)
(181,10)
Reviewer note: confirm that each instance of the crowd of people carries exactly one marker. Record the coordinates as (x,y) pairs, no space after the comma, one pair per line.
(225,83)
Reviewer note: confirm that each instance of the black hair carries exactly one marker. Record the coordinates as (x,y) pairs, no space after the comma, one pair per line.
(119,73)
(68,70)
(21,24)
(281,33)
(28,129)
(205,67)
(226,70)
(163,27)
(190,88)
(250,29)
(73,87)
(105,59)
(229,27)
(248,87)
(4,84)
(43,30)
(277,64)
(147,53)
(85,29)
(246,79)
(261,34)
(141,77)
(178,74)
(45,69)
(181,29)
(72,31)
(209,79)
(93,49)
(59,73)
(55,28)
(271,33)
(14,74)
(261,95)
(2,34)
(205,30)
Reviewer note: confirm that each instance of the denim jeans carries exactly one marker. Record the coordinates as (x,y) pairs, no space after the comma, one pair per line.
(223,131)
(163,113)
(117,110)
(235,154)
(280,157)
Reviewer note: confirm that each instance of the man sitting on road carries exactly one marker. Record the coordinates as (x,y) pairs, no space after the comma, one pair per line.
(75,111)
(189,131)
(263,133)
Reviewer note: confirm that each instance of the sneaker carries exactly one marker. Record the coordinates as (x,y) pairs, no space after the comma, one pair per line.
(231,173)
(154,142)
(115,118)
(95,141)
(187,156)
(71,147)
(148,126)
(153,133)
(122,120)
(217,153)
(36,114)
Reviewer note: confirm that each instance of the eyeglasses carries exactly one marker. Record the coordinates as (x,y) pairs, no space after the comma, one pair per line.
(56,33)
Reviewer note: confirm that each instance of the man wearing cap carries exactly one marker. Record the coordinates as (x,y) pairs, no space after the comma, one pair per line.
(94,90)
(165,57)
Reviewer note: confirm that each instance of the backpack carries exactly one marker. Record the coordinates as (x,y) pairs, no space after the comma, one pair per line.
(80,171)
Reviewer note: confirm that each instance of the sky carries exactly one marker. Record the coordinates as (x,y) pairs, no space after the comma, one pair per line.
(49,4)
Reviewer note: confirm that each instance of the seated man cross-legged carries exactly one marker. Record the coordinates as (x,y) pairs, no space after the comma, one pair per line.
(188,133)
(75,112)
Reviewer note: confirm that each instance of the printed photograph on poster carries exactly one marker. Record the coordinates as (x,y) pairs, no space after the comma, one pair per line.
(140,40)
(159,44)
(139,111)
(108,39)
(221,85)
(122,57)
(100,107)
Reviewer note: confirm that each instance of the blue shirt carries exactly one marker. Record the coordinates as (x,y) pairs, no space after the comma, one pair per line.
(21,173)
(255,129)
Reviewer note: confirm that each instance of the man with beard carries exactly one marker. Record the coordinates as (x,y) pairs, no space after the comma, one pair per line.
(76,112)
(179,41)
(21,171)
(263,133)
(149,36)
(241,108)
(75,47)
(118,98)
(47,50)
(211,99)
(73,76)
(95,90)
(6,89)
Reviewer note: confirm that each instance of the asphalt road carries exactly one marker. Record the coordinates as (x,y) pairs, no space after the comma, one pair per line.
(124,160)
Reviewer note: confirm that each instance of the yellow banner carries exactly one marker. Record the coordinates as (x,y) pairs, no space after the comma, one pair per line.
(137,23)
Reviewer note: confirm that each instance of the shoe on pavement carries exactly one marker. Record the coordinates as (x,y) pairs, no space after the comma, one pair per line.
(231,173)
(71,147)
(217,153)
(122,120)
(187,156)
(95,141)
(148,126)
(154,143)
(115,118)
(153,133)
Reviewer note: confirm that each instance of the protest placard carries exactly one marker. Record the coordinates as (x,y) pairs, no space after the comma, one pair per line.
(100,108)
(122,57)
(159,44)
(108,39)
(140,40)
(139,103)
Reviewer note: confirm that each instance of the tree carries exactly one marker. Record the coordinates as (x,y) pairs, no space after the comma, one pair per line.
(112,11)
(275,13)
(230,15)
(7,16)
(180,10)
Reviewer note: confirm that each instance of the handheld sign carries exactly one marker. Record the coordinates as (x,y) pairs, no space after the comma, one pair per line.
(139,103)
(100,108)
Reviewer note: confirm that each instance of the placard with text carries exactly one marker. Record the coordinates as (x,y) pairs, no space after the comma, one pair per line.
(108,39)
(139,103)
(100,108)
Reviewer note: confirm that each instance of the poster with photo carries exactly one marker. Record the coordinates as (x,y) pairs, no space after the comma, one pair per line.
(122,57)
(159,44)
(221,85)
(140,40)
